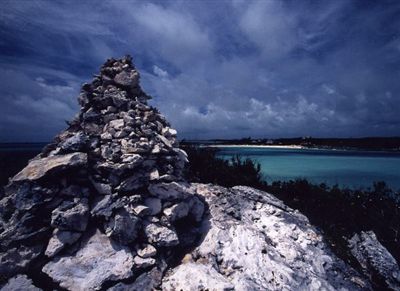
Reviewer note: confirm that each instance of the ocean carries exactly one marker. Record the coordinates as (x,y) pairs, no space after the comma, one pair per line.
(353,169)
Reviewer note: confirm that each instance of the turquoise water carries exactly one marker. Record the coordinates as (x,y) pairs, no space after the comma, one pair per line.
(346,168)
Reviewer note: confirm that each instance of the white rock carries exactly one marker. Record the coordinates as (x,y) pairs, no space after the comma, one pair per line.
(154,175)
(375,259)
(192,276)
(143,262)
(19,283)
(142,210)
(99,260)
(117,124)
(259,254)
(147,252)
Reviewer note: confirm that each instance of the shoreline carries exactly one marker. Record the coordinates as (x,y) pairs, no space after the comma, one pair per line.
(299,147)
(257,146)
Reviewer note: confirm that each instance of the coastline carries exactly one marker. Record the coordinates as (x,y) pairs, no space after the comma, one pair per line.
(256,146)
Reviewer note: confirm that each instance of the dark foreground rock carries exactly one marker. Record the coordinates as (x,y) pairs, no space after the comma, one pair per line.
(105,206)
(376,261)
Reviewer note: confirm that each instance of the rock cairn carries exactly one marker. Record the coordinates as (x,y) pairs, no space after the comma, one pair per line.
(106,199)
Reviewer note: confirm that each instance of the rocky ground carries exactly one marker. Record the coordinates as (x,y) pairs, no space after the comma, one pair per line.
(105,206)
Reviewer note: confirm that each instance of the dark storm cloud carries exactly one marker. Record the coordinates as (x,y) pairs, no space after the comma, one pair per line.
(215,68)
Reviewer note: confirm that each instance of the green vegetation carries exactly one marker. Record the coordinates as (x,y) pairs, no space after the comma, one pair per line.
(339,213)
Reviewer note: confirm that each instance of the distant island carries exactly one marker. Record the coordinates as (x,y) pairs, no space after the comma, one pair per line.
(364,143)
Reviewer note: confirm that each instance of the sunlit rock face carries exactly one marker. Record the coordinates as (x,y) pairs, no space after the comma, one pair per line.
(105,207)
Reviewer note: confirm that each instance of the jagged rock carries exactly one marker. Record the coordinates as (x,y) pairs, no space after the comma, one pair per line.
(127,79)
(375,259)
(38,168)
(18,259)
(123,227)
(98,261)
(170,191)
(77,142)
(132,183)
(161,236)
(20,283)
(71,215)
(141,210)
(147,251)
(148,281)
(141,263)
(259,251)
(193,276)
(59,240)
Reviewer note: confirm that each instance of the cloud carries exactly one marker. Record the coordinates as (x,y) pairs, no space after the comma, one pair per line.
(215,69)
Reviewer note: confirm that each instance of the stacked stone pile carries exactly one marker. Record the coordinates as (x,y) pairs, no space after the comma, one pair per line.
(109,187)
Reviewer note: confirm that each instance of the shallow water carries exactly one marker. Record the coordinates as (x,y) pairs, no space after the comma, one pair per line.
(353,169)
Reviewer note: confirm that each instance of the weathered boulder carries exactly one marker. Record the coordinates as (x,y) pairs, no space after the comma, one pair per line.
(375,260)
(60,240)
(19,283)
(123,227)
(18,259)
(170,191)
(160,235)
(268,247)
(71,215)
(98,261)
(40,167)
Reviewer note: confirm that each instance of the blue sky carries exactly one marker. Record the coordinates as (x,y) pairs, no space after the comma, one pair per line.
(215,69)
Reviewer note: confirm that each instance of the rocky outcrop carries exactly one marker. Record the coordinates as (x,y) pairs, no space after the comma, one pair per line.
(375,260)
(252,241)
(105,206)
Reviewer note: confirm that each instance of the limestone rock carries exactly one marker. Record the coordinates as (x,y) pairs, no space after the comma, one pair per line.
(148,281)
(193,277)
(127,79)
(71,215)
(375,259)
(18,259)
(38,168)
(147,251)
(271,247)
(59,240)
(77,142)
(98,261)
(170,191)
(161,236)
(123,227)
(141,263)
(19,283)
